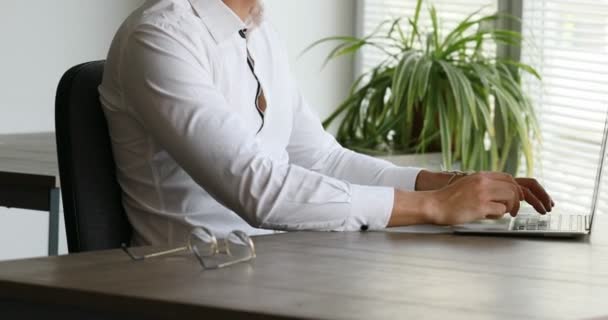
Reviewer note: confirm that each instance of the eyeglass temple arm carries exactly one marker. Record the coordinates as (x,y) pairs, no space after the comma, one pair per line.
(208,266)
(152,255)
(225,264)
(229,263)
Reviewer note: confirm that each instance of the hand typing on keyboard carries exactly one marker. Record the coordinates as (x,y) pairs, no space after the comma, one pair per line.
(535,195)
(487,195)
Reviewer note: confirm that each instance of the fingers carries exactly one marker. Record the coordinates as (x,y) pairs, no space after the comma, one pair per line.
(505,177)
(508,194)
(494,210)
(538,191)
(491,195)
(516,208)
(530,190)
(534,201)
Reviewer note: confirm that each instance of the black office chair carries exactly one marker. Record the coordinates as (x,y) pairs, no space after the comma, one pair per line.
(94,216)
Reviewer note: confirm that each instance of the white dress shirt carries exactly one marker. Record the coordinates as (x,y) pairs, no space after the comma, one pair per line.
(192,149)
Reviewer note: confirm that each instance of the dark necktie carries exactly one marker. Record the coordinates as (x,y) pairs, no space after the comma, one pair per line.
(260,99)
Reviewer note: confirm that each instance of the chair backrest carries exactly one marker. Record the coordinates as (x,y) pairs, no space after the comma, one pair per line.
(94,215)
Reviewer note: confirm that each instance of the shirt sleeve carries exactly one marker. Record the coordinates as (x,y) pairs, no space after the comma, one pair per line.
(170,91)
(313,148)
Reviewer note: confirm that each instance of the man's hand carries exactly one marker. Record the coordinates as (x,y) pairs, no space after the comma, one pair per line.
(469,198)
(479,196)
(535,195)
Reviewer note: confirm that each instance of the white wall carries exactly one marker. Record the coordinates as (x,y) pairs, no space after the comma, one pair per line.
(303,22)
(41,39)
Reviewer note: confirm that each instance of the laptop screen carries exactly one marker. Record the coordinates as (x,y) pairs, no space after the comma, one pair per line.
(598,175)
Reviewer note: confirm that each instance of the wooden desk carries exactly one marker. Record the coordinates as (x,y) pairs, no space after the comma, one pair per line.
(29,178)
(326,276)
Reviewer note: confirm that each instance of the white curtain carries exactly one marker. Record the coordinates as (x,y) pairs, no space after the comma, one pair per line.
(568,44)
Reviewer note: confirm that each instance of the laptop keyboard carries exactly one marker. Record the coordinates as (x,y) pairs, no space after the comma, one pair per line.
(550,222)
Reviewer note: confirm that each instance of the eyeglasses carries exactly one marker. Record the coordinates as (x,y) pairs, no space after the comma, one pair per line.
(238,247)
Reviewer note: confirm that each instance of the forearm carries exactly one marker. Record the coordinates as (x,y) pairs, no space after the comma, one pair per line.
(419,207)
(411,208)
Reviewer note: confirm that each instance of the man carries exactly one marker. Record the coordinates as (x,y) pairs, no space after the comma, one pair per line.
(208,128)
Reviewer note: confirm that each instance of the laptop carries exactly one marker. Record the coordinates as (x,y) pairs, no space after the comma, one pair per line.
(530,223)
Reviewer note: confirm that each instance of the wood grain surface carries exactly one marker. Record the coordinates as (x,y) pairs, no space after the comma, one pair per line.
(29,159)
(314,275)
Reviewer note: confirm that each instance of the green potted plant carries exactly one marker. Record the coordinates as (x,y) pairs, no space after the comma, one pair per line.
(439,92)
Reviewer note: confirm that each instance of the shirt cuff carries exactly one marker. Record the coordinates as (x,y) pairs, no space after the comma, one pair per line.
(403,178)
(371,208)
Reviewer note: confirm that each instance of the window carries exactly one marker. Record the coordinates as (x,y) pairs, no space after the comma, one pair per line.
(567,41)
(568,44)
(450,12)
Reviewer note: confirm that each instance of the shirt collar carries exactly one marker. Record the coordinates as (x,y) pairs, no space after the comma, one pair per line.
(221,21)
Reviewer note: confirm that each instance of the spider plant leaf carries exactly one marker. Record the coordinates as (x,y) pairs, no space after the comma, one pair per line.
(521,128)
(424,76)
(415,32)
(412,97)
(342,39)
(505,105)
(461,90)
(468,95)
(465,135)
(503,34)
(365,123)
(506,150)
(473,157)
(343,49)
(424,144)
(390,124)
(351,102)
(401,78)
(430,110)
(332,54)
(454,87)
(412,88)
(349,49)
(375,109)
(435,29)
(463,97)
(394,27)
(483,74)
(414,23)
(359,80)
(445,132)
(484,109)
(386,107)
(467,24)
(525,141)
(345,134)
(500,36)
(378,28)
(402,36)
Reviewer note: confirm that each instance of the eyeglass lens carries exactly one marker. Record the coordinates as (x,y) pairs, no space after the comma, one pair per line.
(202,242)
(239,245)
